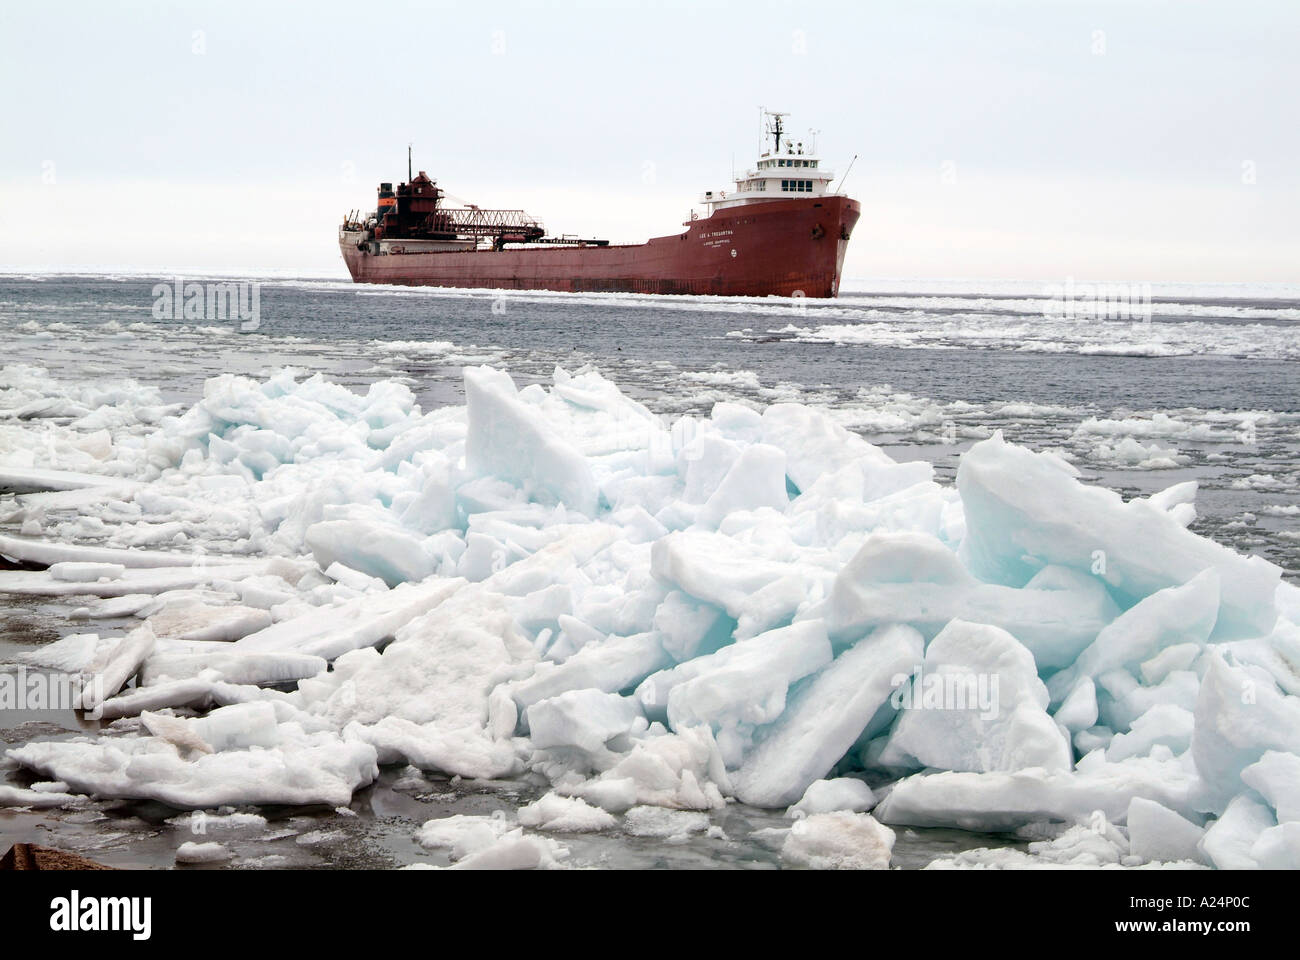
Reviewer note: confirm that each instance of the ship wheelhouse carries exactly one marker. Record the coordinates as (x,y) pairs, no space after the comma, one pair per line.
(785,171)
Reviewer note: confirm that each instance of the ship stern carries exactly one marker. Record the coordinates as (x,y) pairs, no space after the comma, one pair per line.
(352,254)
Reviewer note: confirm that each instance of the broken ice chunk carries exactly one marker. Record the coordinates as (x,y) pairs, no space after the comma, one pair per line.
(825,717)
(914,578)
(1240,714)
(977,705)
(82,572)
(839,841)
(585,719)
(1025,510)
(1156,833)
(827,796)
(509,440)
(1229,841)
(564,815)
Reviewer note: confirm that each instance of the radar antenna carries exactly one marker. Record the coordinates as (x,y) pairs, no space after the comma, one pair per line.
(776,127)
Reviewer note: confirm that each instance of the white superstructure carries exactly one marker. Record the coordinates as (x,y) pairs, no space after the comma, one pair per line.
(785,171)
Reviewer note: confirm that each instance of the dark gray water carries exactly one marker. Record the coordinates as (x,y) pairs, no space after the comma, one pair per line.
(1213,380)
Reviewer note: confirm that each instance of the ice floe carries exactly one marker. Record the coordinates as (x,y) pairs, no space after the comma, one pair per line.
(838,841)
(652,617)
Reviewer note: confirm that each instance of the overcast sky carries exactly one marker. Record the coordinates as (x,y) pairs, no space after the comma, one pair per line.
(1127,140)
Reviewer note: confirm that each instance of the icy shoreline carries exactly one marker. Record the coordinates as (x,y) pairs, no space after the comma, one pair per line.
(652,616)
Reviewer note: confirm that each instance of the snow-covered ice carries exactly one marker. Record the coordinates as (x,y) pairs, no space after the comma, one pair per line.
(194,852)
(839,841)
(558,814)
(652,617)
(490,843)
(827,796)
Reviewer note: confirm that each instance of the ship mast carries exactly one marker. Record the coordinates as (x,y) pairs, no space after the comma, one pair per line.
(775,128)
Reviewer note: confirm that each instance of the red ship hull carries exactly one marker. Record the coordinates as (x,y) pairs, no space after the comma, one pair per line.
(787,247)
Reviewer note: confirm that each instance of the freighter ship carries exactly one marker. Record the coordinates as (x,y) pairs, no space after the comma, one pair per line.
(780,232)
